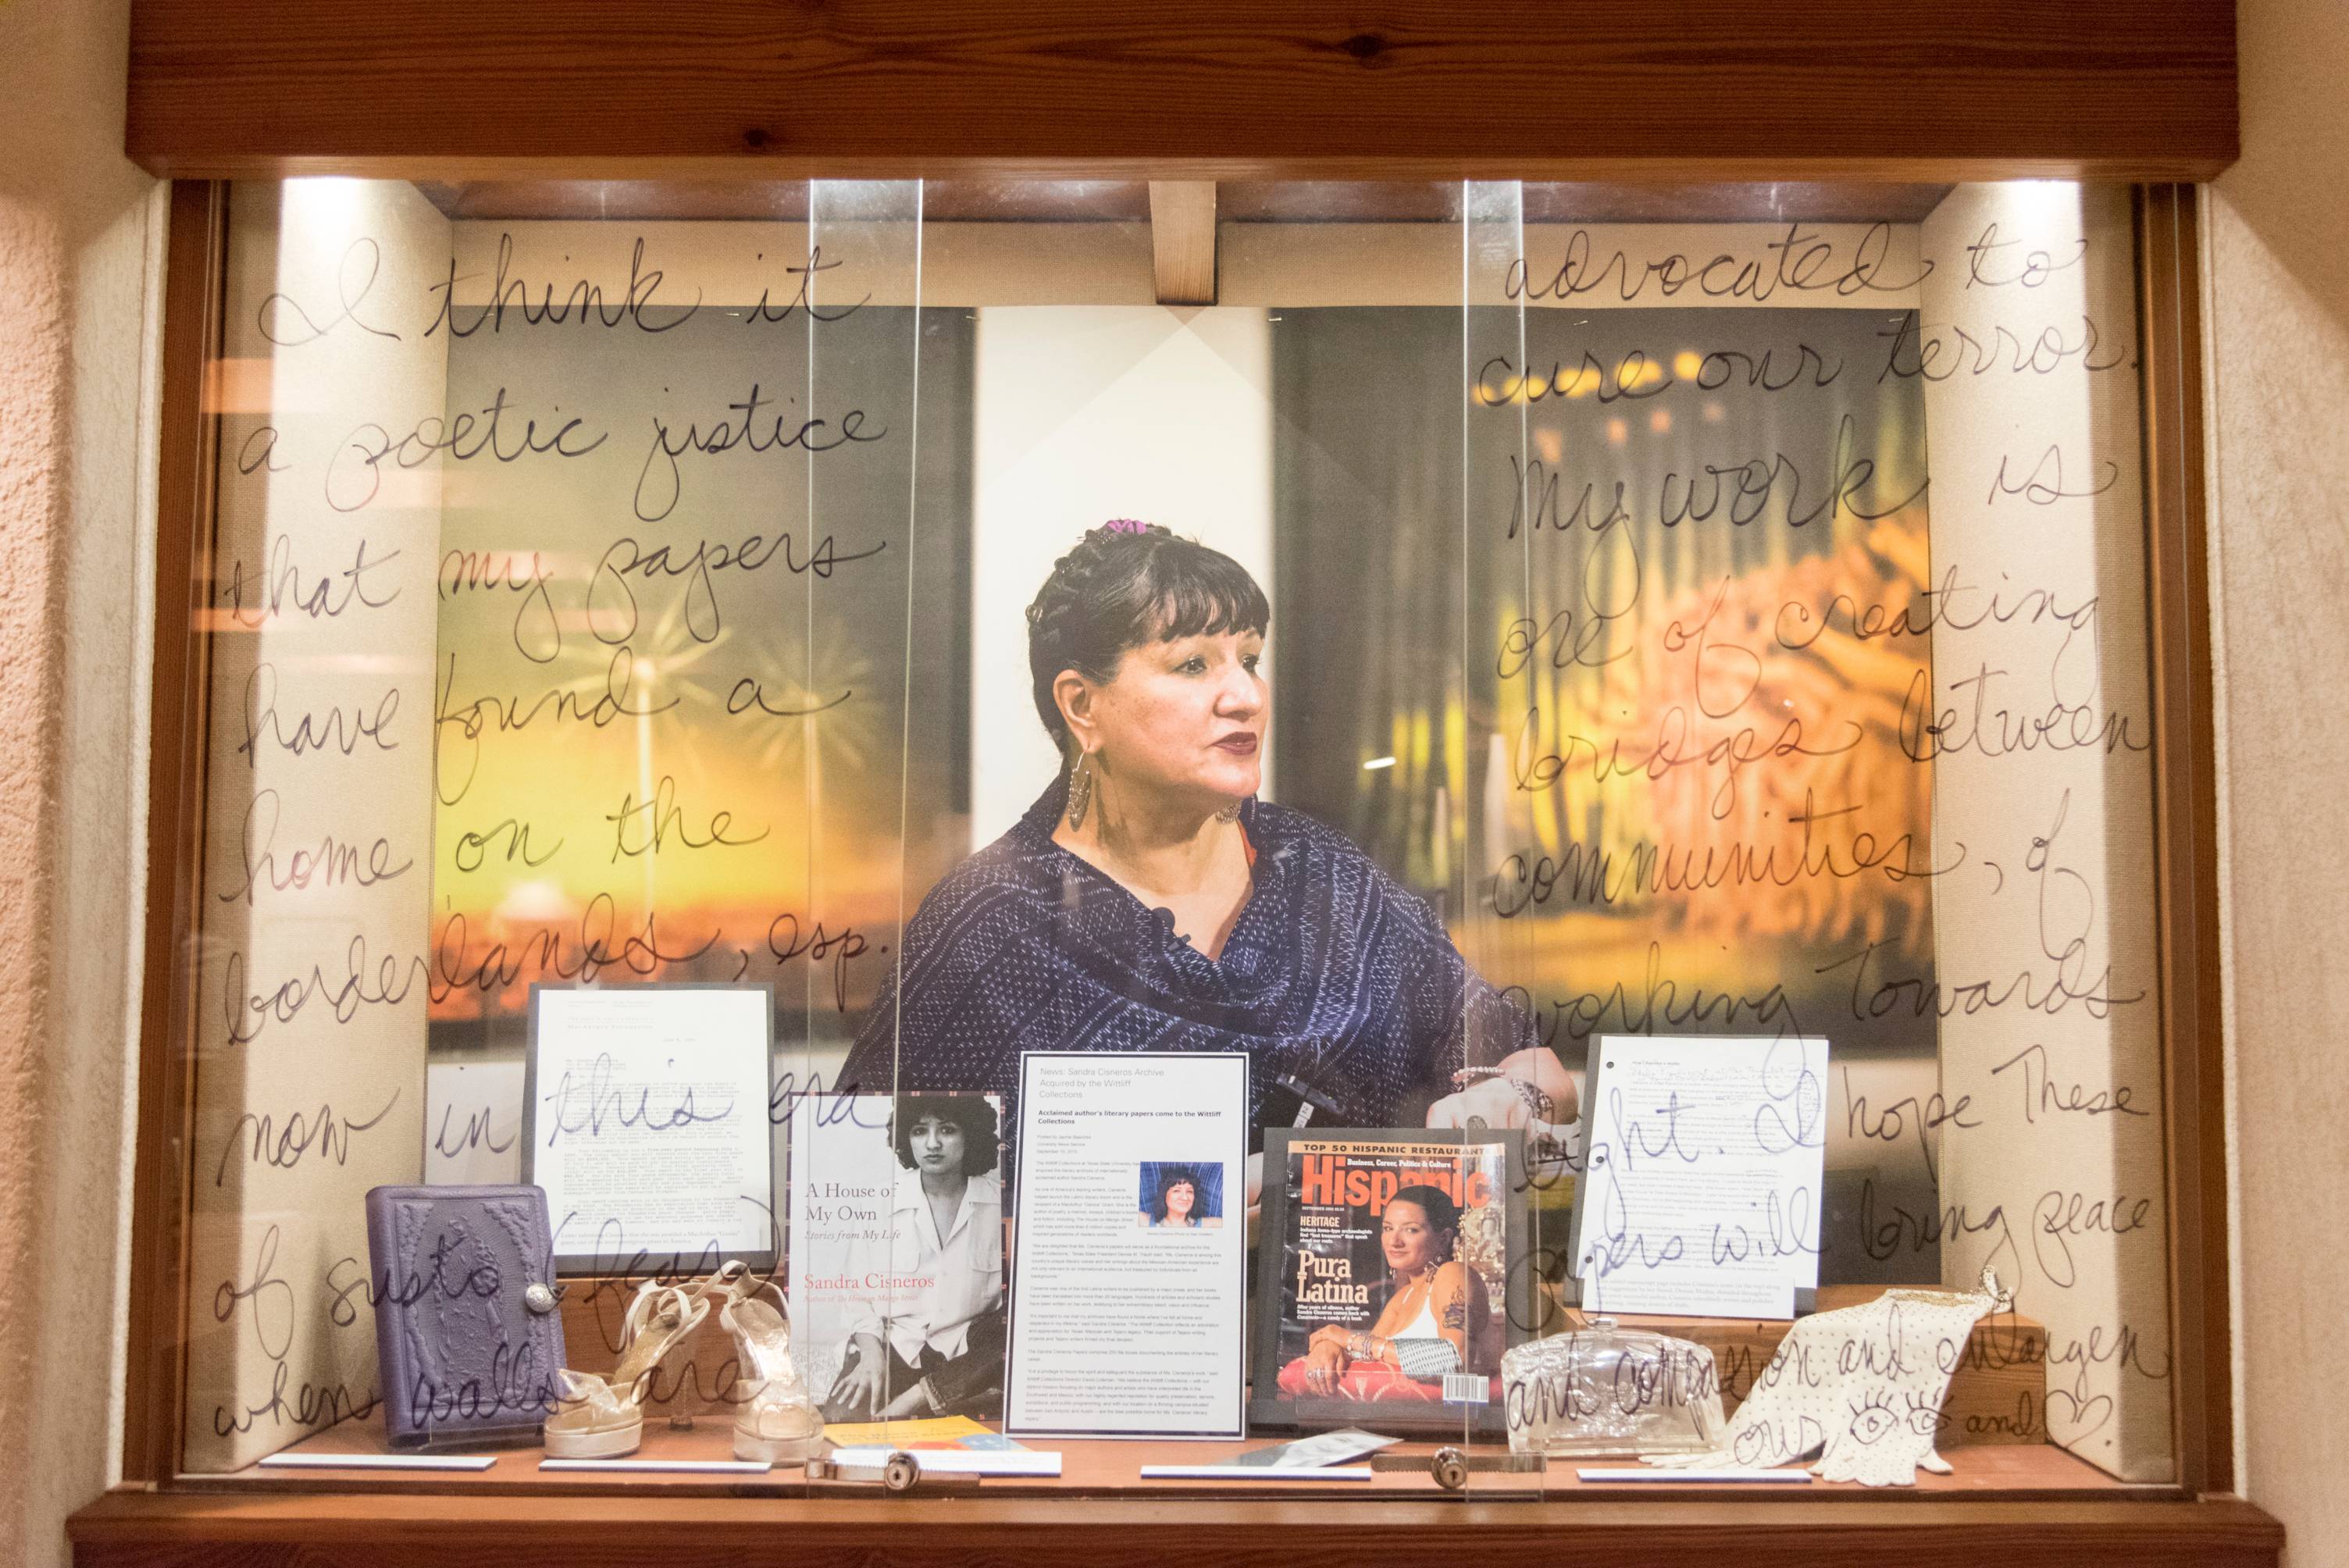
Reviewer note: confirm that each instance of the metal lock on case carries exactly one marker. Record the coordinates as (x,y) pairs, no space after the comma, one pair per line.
(898,1473)
(1452,1467)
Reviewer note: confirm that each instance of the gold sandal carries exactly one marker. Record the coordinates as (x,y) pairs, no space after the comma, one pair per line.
(774,1419)
(603,1417)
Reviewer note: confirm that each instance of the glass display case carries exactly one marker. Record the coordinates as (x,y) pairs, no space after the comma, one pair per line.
(1093,816)
(1069,828)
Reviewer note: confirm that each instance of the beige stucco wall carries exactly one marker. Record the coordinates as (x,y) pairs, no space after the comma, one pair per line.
(79,259)
(2279,255)
(79,267)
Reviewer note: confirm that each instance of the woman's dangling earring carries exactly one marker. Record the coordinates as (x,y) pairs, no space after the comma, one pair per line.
(1081,790)
(1231,813)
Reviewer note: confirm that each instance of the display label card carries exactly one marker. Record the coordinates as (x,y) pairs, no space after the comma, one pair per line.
(1701,1194)
(644,1119)
(1129,1277)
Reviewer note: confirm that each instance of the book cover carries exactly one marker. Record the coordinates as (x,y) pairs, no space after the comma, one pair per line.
(467,1355)
(895,1267)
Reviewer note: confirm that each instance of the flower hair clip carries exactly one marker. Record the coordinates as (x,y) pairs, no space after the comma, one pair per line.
(1126,525)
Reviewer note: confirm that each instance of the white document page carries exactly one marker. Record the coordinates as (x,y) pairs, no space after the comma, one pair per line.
(648,1125)
(1702,1193)
(1121,1327)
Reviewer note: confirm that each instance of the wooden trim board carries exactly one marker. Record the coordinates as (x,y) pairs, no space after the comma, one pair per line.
(179,721)
(593,1531)
(2186,829)
(1195,89)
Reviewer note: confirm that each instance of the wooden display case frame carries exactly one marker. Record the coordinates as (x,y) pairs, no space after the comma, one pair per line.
(2135,90)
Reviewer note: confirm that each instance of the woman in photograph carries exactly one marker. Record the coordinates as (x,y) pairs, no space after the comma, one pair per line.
(932,1342)
(1148,901)
(1176,1206)
(1436,1320)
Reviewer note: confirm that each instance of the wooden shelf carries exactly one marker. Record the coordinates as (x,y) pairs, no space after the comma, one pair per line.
(1101,1467)
(488,1525)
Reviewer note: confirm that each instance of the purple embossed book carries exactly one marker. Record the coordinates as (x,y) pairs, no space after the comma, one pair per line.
(466,1323)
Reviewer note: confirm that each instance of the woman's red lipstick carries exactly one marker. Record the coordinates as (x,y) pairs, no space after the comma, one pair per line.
(1243,744)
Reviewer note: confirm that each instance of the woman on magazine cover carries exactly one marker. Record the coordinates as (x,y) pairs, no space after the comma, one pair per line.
(1437,1319)
(1148,901)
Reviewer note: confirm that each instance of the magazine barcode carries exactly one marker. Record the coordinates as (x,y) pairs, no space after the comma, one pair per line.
(1466,1389)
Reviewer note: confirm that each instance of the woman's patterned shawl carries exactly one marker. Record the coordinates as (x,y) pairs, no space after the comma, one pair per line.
(1334,978)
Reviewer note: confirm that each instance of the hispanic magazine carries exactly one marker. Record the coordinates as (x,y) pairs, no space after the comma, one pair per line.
(1366,1225)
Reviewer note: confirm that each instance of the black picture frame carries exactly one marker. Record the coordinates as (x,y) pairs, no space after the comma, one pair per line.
(633,1262)
(1269,1410)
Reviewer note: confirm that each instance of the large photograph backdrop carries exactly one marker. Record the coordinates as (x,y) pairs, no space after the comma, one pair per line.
(1690,599)
(670,685)
(674,671)
(1631,693)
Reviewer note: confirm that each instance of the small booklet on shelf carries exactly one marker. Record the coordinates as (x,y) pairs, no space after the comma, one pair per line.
(939,1434)
(1312,1453)
(1318,1458)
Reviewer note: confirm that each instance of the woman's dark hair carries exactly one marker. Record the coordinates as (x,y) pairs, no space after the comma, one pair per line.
(1126,586)
(968,1111)
(1180,1176)
(1435,1202)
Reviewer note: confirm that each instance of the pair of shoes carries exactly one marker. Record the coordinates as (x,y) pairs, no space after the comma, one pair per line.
(603,1417)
